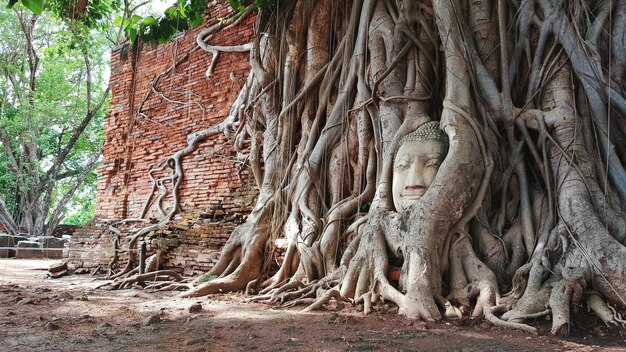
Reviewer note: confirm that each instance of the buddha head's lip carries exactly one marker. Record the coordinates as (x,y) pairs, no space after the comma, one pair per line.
(412,195)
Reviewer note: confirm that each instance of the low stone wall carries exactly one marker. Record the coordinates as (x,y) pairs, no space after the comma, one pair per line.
(9,243)
(29,250)
(22,247)
(65,230)
(193,241)
(90,246)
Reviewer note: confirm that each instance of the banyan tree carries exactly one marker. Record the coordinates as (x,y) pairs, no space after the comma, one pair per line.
(476,149)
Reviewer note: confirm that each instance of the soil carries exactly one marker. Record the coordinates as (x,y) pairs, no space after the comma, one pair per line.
(69,314)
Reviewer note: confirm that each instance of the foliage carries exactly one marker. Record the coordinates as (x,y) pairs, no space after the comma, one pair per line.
(95,13)
(91,13)
(183,15)
(43,111)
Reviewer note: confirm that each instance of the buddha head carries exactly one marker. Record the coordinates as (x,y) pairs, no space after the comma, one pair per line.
(416,162)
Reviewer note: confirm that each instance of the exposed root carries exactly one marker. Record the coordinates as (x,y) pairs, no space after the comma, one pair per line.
(604,311)
(564,294)
(509,325)
(330,294)
(172,287)
(148,279)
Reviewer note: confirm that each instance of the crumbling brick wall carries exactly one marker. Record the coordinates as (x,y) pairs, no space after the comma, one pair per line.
(140,132)
(192,242)
(136,141)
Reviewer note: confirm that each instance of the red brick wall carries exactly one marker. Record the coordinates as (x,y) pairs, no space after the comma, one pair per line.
(134,143)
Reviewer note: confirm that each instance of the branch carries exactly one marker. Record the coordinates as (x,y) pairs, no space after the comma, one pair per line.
(67,174)
(103,98)
(132,10)
(6,218)
(8,152)
(78,131)
(33,63)
(17,90)
(88,69)
(55,218)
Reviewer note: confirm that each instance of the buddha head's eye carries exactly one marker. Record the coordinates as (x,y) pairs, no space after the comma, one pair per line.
(402,165)
(433,162)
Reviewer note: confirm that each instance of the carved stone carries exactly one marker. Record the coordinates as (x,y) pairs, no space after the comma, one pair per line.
(416,163)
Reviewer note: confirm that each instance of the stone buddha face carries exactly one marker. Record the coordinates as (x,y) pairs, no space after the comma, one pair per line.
(416,163)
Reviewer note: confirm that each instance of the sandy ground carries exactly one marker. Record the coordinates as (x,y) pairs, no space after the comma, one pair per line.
(68,314)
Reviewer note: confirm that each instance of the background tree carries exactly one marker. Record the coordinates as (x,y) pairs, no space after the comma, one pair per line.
(51,113)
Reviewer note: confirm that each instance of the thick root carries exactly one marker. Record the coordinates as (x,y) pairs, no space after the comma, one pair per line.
(564,294)
(604,311)
(229,283)
(330,294)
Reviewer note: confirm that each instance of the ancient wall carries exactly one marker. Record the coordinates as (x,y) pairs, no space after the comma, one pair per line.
(192,242)
(140,131)
(143,127)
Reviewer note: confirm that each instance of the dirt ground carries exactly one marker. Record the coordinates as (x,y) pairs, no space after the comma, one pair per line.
(68,314)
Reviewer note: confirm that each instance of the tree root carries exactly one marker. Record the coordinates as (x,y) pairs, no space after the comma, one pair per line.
(170,286)
(490,317)
(604,311)
(564,294)
(167,276)
(330,294)
(273,295)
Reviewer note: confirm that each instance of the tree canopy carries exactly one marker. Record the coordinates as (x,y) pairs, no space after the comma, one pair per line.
(54,93)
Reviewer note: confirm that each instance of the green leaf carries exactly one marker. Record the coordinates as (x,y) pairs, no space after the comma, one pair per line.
(36,6)
(11,4)
(181,25)
(171,12)
(117,21)
(149,21)
(135,19)
(132,34)
(196,20)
